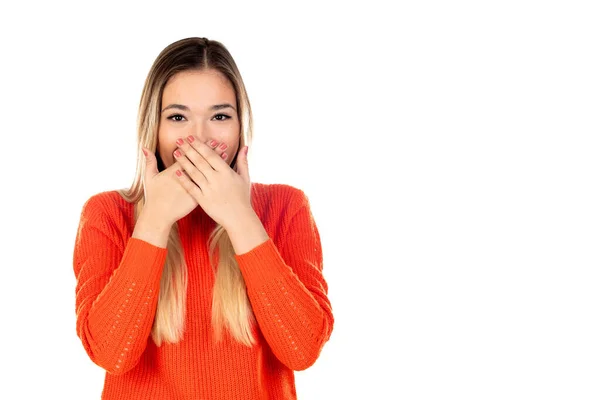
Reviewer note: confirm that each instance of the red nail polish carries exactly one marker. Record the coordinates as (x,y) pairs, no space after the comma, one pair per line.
(178,172)
(179,141)
(190,138)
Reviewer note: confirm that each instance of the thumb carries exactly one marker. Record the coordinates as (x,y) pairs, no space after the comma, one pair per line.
(151,165)
(242,164)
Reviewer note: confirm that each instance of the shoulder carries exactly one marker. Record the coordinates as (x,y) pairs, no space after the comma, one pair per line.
(109,210)
(109,201)
(277,205)
(278,196)
(285,213)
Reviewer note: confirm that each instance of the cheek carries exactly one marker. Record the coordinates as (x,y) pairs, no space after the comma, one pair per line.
(167,145)
(232,141)
(232,152)
(166,153)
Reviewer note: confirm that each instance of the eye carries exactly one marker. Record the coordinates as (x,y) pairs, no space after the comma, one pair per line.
(175,116)
(222,115)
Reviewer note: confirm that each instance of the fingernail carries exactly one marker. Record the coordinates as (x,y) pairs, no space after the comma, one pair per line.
(145,152)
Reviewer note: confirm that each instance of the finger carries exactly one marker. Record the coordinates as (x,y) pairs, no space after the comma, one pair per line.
(196,159)
(151,164)
(215,160)
(174,167)
(223,151)
(189,186)
(220,148)
(195,174)
(242,164)
(217,147)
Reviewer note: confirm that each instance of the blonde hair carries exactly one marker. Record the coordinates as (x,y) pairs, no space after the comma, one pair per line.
(230,304)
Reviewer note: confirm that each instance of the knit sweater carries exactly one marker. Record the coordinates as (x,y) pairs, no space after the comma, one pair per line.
(118,281)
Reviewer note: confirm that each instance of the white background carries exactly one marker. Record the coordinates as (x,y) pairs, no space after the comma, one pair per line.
(449,151)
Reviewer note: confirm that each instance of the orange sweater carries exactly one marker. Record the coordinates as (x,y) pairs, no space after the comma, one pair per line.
(118,280)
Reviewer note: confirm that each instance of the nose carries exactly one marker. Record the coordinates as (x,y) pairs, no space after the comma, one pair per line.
(201,133)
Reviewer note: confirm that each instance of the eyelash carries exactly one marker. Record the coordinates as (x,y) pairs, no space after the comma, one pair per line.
(179,115)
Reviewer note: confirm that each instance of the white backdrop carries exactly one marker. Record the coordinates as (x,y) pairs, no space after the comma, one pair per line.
(449,151)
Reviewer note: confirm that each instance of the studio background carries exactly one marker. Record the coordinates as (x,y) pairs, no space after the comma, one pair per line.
(449,151)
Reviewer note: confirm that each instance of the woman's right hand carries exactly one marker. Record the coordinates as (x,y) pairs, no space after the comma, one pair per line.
(166,198)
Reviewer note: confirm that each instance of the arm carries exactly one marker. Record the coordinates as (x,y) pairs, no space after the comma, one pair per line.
(287,290)
(118,280)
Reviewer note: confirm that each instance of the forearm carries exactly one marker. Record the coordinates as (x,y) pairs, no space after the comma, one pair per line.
(118,280)
(291,307)
(151,230)
(115,324)
(246,232)
(288,292)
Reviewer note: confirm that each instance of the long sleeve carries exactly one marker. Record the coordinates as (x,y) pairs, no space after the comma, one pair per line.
(287,290)
(118,279)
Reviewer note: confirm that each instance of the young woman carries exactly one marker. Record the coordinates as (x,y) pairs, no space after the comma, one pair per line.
(196,283)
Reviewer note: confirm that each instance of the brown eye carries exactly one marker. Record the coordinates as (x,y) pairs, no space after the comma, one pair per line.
(175,116)
(226,117)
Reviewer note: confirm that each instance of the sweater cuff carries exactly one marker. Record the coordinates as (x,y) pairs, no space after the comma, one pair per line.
(144,260)
(262,264)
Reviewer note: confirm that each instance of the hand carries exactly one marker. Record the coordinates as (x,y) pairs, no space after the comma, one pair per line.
(166,199)
(223,193)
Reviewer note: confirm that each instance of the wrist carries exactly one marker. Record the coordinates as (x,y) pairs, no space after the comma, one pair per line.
(241,218)
(246,233)
(153,219)
(151,229)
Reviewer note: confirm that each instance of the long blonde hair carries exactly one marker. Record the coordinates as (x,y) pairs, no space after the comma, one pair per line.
(230,303)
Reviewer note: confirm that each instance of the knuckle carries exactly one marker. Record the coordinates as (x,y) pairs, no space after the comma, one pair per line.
(187,184)
(192,174)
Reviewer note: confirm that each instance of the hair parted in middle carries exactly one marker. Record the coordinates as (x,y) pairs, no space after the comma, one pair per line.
(230,306)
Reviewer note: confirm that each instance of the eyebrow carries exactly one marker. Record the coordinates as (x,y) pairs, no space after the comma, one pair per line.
(186,108)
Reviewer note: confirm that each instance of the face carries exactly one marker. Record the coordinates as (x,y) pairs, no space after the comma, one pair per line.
(202,104)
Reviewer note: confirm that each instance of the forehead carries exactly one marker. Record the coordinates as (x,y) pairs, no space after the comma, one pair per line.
(198,89)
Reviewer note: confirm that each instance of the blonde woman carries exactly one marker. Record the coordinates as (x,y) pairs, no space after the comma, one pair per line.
(196,283)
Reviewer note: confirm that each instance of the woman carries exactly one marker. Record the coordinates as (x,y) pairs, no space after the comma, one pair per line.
(196,283)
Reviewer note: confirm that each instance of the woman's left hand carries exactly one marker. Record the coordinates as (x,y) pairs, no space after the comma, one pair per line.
(224,194)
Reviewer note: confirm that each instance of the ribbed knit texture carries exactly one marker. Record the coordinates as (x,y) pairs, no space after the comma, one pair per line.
(118,280)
